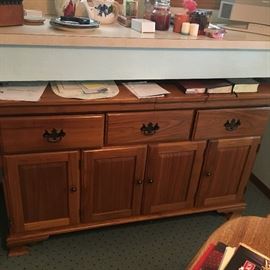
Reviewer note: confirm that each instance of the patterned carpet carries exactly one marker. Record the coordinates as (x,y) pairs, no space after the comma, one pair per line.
(167,244)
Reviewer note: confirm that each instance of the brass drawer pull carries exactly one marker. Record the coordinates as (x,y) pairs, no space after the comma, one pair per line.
(139,182)
(232,124)
(54,135)
(150,129)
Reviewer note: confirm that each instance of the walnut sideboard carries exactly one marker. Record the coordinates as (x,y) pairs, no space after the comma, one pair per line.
(71,165)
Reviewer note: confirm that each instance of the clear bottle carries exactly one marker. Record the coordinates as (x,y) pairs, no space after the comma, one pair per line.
(161,14)
(148,9)
(131,8)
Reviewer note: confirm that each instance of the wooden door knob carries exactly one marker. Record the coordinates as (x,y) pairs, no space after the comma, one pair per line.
(73,189)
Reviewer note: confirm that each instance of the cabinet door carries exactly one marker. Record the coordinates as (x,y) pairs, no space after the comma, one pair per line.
(227,167)
(173,173)
(112,182)
(42,190)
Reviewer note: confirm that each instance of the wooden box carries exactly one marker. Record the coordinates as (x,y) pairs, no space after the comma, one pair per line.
(11,15)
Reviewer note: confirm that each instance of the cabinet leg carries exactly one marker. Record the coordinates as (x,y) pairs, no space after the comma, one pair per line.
(234,214)
(231,214)
(18,251)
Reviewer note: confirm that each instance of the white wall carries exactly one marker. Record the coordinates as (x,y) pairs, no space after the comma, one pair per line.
(262,164)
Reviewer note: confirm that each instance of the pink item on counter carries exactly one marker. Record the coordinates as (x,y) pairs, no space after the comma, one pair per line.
(190,5)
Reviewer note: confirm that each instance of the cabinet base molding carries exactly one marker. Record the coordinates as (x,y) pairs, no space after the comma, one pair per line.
(18,251)
(232,212)
(17,242)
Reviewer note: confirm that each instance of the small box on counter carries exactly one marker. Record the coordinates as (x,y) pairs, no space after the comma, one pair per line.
(143,25)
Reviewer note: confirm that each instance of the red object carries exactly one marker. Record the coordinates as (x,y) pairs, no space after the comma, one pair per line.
(178,20)
(69,11)
(11,15)
(249,265)
(161,16)
(204,256)
(190,5)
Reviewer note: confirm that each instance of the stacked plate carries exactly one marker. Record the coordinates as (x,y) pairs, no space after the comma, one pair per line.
(74,25)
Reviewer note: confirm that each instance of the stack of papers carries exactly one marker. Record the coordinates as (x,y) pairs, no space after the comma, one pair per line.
(146,89)
(85,89)
(22,91)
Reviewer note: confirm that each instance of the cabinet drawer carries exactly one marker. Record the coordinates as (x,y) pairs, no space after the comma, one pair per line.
(230,123)
(126,128)
(46,133)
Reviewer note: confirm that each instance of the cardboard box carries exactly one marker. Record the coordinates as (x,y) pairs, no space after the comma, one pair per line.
(143,25)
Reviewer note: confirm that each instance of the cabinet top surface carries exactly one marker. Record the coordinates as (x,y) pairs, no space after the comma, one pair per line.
(119,36)
(126,101)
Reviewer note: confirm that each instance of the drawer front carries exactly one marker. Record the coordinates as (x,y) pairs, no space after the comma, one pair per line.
(230,123)
(126,128)
(30,134)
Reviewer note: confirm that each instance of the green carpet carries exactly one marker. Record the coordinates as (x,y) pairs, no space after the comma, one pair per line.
(167,244)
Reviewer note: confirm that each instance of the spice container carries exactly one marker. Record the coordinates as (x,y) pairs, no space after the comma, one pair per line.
(161,14)
(178,20)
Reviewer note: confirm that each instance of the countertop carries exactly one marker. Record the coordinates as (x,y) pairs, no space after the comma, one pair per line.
(114,52)
(116,35)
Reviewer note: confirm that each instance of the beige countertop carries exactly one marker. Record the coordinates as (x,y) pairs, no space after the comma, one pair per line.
(114,52)
(117,36)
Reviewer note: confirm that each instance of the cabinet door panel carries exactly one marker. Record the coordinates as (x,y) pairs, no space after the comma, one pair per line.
(172,176)
(42,190)
(227,168)
(112,182)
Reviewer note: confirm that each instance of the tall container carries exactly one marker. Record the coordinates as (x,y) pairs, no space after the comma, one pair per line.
(161,14)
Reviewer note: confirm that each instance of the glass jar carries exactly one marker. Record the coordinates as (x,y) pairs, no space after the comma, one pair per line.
(131,8)
(161,14)
(201,17)
(148,9)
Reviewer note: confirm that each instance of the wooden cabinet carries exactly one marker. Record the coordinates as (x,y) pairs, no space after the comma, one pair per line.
(112,182)
(71,165)
(227,167)
(172,176)
(42,190)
